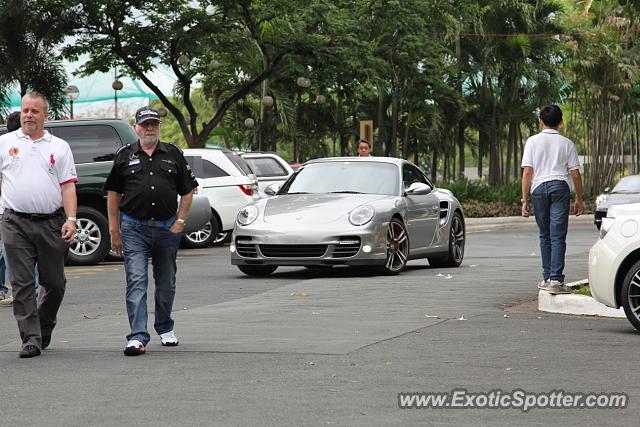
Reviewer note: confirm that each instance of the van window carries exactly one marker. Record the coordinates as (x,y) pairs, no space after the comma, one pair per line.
(93,143)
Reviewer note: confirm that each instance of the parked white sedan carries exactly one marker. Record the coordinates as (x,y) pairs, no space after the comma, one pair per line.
(228,182)
(614,261)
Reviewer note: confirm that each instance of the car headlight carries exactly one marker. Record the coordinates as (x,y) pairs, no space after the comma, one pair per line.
(247,215)
(605,225)
(361,215)
(602,198)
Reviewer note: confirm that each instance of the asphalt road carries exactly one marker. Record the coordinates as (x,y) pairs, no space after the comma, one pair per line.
(328,347)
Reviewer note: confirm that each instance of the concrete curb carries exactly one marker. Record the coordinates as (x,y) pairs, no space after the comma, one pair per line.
(576,304)
(474,224)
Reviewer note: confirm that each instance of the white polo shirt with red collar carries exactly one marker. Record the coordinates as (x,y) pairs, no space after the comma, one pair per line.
(33,172)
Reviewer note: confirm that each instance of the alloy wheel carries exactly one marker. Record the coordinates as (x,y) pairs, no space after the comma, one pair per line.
(397,246)
(88,237)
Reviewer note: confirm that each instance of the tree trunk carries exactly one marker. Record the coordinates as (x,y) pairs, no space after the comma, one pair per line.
(406,147)
(381,120)
(461,163)
(395,97)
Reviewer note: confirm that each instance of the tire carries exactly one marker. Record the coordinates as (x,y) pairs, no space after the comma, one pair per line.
(257,270)
(203,237)
(221,238)
(92,242)
(457,238)
(397,248)
(630,295)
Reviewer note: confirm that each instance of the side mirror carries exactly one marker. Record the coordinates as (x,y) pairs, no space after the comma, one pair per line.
(272,189)
(418,188)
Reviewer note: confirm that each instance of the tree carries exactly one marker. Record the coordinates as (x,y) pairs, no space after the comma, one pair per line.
(29,30)
(213,43)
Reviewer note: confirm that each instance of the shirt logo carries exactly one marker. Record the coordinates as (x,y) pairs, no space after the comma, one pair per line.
(52,162)
(13,151)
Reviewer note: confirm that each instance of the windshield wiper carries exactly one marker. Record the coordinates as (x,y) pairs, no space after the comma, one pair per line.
(346,192)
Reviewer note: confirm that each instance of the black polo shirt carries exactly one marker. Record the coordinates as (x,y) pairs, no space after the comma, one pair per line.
(150,185)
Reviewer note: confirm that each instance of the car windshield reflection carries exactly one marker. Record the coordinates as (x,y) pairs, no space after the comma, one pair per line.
(345,177)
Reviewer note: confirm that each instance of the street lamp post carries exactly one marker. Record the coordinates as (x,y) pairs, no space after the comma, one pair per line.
(71,93)
(116,86)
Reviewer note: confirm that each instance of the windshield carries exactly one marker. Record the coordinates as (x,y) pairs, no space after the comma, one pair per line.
(345,177)
(628,184)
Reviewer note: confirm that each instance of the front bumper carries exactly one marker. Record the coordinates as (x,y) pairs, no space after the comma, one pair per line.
(603,267)
(597,217)
(302,245)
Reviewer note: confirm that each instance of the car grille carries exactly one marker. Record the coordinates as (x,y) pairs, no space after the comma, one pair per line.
(293,251)
(347,247)
(246,249)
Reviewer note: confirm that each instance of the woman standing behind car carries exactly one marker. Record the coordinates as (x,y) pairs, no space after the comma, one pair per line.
(364,148)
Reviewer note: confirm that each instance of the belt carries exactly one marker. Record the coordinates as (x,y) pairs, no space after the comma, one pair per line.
(167,223)
(37,216)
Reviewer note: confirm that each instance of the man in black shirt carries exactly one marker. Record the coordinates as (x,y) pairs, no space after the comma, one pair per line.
(143,189)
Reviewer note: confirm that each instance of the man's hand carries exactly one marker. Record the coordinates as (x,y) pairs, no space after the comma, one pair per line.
(68,231)
(116,242)
(177,227)
(579,207)
(525,210)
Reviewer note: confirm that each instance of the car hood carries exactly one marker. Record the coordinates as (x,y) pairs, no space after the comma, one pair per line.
(631,209)
(313,208)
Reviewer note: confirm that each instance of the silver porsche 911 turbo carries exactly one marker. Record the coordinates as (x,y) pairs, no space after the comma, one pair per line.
(355,211)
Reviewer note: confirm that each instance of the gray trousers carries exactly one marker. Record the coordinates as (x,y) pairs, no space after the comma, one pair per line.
(27,242)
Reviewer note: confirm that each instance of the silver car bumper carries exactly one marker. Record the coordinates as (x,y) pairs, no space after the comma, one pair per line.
(321,246)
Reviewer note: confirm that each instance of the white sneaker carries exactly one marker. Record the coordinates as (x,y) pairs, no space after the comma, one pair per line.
(169,339)
(6,299)
(544,285)
(556,287)
(134,348)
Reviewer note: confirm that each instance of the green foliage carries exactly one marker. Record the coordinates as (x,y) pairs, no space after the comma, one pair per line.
(446,83)
(466,190)
(29,30)
(582,290)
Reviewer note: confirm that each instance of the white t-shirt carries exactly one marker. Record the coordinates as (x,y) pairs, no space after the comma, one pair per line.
(33,172)
(551,156)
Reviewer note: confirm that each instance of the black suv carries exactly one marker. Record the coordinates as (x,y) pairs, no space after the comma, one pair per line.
(94,143)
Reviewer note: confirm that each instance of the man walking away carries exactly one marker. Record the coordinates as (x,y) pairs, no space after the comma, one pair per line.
(143,189)
(547,161)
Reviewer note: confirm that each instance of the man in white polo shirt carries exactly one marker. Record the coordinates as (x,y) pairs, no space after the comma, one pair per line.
(39,197)
(547,161)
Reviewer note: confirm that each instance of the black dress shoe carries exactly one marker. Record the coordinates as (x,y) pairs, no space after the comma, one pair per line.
(46,340)
(29,351)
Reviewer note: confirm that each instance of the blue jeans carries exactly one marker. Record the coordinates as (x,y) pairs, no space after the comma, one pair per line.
(551,203)
(141,242)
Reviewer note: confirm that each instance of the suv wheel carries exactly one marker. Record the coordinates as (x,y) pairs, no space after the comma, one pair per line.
(203,237)
(91,244)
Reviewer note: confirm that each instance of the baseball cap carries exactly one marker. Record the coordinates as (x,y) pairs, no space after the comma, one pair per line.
(146,113)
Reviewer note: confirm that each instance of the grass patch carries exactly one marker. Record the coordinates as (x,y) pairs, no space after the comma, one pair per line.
(582,290)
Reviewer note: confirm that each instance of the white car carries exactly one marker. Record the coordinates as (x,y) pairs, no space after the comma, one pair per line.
(269,168)
(228,182)
(614,261)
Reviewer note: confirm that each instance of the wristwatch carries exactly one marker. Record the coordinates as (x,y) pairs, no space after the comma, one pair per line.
(72,218)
